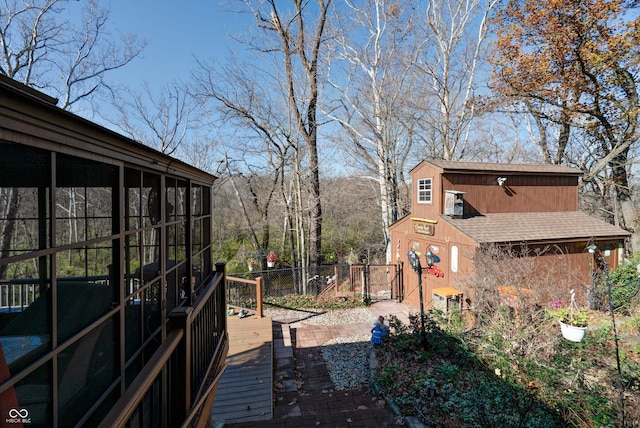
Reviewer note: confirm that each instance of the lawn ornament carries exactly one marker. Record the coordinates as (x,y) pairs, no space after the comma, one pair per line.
(433,270)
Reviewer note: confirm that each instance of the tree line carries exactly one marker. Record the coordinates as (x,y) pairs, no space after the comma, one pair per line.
(331,102)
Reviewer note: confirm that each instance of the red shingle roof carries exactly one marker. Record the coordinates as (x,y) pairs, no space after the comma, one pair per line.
(530,227)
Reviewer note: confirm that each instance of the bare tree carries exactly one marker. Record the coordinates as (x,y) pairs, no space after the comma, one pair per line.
(370,63)
(450,64)
(286,57)
(299,50)
(42,48)
(198,151)
(162,121)
(257,149)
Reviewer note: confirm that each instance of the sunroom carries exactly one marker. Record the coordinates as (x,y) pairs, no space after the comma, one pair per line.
(110,308)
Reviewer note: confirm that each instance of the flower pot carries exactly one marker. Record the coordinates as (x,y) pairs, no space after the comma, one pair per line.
(271,264)
(250,268)
(571,332)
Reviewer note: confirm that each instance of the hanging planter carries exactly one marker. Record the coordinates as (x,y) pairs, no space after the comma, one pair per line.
(573,321)
(251,263)
(572,332)
(271,259)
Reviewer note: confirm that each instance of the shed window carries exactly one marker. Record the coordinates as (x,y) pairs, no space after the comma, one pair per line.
(424,191)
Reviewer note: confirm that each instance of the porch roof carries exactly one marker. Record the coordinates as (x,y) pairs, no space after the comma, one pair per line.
(535,227)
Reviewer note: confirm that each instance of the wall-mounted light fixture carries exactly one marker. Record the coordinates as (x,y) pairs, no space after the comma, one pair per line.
(430,258)
(501,181)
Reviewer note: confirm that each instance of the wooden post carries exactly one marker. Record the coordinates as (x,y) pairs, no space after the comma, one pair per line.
(181,376)
(259,296)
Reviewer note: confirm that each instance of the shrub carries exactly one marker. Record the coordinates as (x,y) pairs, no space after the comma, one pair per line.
(624,284)
(437,377)
(298,301)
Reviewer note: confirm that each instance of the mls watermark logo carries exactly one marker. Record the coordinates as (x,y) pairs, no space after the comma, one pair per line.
(18,416)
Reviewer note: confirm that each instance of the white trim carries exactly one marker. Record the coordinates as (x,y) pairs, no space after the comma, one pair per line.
(429,191)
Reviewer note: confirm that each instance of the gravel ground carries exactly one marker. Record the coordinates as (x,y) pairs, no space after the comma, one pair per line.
(323,317)
(346,358)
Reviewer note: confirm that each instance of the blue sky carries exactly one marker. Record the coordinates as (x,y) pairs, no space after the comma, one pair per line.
(175,32)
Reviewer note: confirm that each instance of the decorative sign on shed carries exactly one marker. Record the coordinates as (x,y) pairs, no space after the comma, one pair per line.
(424,228)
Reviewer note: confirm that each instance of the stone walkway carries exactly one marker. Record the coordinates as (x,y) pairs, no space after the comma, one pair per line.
(304,394)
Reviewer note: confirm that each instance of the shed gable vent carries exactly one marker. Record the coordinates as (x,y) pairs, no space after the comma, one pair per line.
(453,203)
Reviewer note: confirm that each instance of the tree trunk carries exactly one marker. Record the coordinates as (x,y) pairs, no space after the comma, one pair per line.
(624,207)
(315,213)
(9,227)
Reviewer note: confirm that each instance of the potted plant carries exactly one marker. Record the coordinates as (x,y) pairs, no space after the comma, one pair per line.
(271,259)
(573,320)
(251,262)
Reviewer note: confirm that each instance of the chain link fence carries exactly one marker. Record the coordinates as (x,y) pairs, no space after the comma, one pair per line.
(368,281)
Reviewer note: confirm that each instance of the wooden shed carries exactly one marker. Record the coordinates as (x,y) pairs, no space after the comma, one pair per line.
(459,207)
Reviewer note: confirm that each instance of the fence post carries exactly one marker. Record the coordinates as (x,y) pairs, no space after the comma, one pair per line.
(181,367)
(259,296)
(352,280)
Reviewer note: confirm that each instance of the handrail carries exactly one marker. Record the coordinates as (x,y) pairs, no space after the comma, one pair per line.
(127,404)
(209,289)
(242,280)
(204,347)
(197,407)
(258,282)
(189,341)
(219,355)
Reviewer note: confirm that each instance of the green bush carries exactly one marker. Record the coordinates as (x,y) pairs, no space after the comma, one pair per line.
(624,283)
(297,301)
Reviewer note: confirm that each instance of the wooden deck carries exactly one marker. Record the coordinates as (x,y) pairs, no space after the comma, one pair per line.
(246,388)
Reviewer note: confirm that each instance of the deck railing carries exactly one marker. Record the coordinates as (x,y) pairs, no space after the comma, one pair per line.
(193,356)
(373,282)
(17,294)
(245,294)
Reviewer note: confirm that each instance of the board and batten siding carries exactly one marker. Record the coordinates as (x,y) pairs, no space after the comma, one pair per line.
(520,193)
